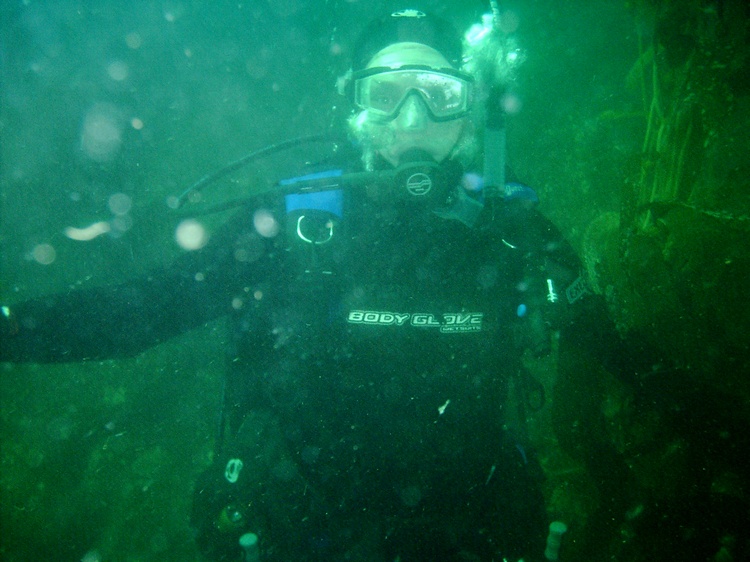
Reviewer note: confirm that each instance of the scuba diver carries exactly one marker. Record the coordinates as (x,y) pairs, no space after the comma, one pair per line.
(377,326)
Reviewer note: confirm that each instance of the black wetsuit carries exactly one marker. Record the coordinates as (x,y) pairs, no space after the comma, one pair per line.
(380,359)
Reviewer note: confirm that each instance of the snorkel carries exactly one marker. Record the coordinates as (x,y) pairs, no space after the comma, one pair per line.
(492,56)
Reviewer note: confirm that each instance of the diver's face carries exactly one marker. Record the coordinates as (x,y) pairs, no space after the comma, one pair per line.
(414,126)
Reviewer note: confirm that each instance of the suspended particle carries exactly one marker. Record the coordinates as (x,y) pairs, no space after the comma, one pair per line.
(191,235)
(44,254)
(119,204)
(265,223)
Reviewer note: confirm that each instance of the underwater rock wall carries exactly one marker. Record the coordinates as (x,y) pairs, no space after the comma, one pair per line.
(640,157)
(673,265)
(651,184)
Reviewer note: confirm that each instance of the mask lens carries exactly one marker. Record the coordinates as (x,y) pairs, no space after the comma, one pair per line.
(445,95)
(382,93)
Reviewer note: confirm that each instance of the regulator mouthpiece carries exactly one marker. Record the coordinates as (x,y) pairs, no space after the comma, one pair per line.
(417,175)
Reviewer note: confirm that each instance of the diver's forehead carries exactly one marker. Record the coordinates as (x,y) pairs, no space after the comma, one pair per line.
(400,54)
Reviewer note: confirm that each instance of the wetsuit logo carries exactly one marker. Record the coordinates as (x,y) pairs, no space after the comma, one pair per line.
(446,323)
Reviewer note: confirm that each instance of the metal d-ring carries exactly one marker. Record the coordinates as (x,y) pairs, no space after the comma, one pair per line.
(317,242)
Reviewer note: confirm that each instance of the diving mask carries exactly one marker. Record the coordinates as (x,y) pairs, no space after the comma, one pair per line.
(382,91)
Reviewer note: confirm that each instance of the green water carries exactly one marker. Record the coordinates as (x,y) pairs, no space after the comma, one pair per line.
(633,129)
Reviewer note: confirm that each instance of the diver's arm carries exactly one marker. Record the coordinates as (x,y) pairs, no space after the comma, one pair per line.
(105,323)
(122,320)
(582,317)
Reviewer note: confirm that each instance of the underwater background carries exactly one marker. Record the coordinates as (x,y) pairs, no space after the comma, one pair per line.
(632,124)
